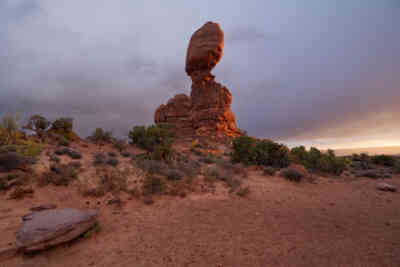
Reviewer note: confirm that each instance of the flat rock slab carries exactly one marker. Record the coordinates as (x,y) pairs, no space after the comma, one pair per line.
(44,229)
(386,187)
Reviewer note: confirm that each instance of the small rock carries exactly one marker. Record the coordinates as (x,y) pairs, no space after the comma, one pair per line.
(386,187)
(43,207)
(44,229)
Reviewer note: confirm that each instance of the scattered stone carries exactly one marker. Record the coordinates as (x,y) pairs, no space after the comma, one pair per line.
(43,207)
(386,187)
(45,229)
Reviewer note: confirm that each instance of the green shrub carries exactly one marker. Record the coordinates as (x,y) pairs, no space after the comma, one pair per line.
(113,162)
(174,174)
(269,171)
(153,185)
(100,135)
(396,167)
(243,191)
(316,160)
(37,124)
(291,174)
(152,166)
(10,132)
(59,174)
(156,139)
(12,160)
(119,144)
(99,159)
(265,152)
(63,127)
(243,150)
(385,160)
(112,154)
(126,154)
(209,159)
(190,168)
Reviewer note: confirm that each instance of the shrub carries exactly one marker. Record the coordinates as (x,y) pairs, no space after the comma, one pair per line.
(112,154)
(209,159)
(76,164)
(197,152)
(153,185)
(156,139)
(126,154)
(152,166)
(37,124)
(74,154)
(316,160)
(20,193)
(174,174)
(291,174)
(361,161)
(62,141)
(119,144)
(99,159)
(113,162)
(243,191)
(385,160)
(265,152)
(243,150)
(396,167)
(100,135)
(63,126)
(374,174)
(29,148)
(10,132)
(69,152)
(190,168)
(59,174)
(55,158)
(12,160)
(269,171)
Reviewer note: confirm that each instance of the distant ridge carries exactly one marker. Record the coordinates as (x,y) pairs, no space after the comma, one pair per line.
(387,150)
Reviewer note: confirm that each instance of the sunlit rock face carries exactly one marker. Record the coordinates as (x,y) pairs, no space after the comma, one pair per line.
(208,108)
(205,48)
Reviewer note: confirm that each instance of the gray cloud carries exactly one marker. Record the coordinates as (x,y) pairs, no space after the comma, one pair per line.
(321,70)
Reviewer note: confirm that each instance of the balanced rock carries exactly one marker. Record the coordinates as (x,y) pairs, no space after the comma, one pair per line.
(48,228)
(205,48)
(209,106)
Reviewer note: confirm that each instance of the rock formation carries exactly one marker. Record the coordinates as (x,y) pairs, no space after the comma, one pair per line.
(48,228)
(208,107)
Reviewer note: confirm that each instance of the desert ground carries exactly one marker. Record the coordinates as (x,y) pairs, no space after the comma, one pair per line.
(331,221)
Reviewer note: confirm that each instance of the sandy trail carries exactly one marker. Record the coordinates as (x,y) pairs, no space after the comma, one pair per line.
(331,223)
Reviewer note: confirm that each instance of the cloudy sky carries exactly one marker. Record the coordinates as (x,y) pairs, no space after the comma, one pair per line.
(315,72)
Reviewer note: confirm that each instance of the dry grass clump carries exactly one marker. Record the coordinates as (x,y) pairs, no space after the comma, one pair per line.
(243,191)
(59,174)
(269,171)
(291,174)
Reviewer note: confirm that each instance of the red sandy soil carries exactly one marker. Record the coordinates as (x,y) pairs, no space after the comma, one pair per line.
(332,222)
